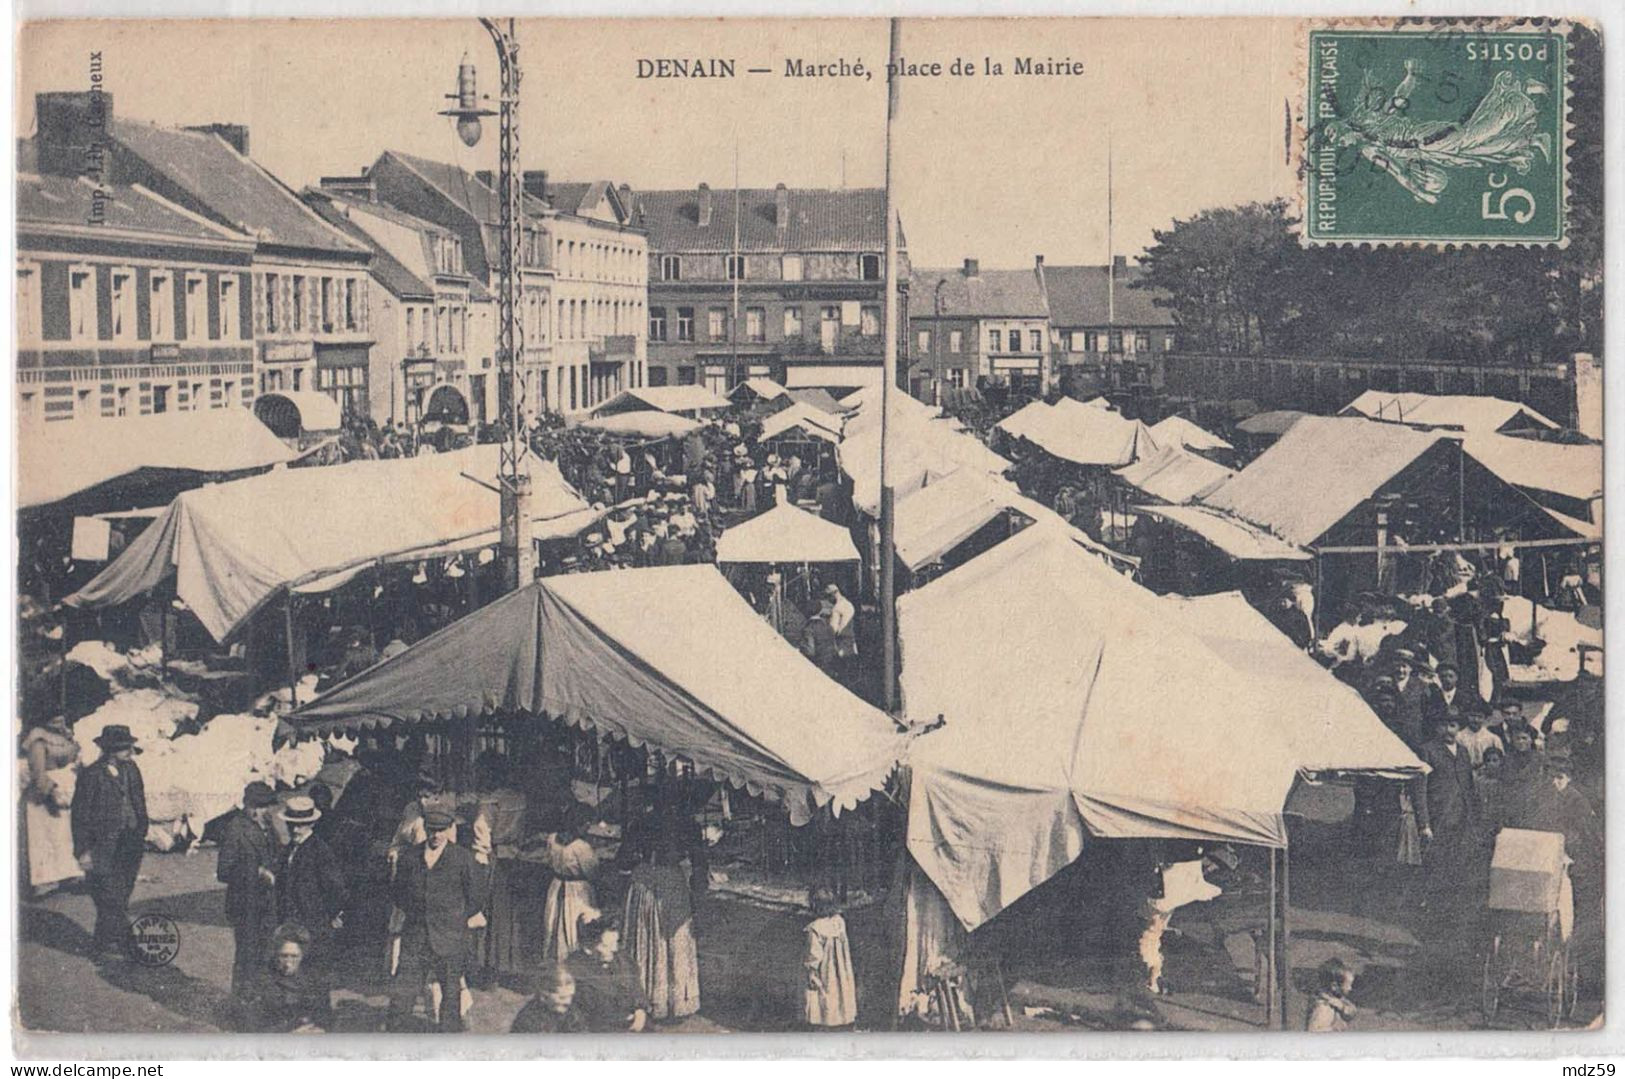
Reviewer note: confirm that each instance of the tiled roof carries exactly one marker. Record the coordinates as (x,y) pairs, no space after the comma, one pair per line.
(464,188)
(231,186)
(989,294)
(66,200)
(1078,297)
(818,219)
(390,271)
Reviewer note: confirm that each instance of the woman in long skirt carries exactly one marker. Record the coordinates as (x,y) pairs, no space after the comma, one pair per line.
(52,757)
(573,863)
(659,921)
(831,996)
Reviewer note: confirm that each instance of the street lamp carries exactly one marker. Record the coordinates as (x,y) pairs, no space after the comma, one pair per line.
(518,548)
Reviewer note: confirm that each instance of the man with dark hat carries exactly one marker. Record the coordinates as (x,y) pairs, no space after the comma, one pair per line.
(312,889)
(109,819)
(1447,813)
(1412,696)
(439,889)
(247,867)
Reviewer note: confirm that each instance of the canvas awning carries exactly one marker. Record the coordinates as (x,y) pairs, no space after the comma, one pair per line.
(232,546)
(936,518)
(764,388)
(1178,431)
(1085,705)
(1081,434)
(680,399)
(1275,422)
(59,460)
(1573,471)
(786,533)
(289,413)
(1239,539)
(644,423)
(832,375)
(1461,412)
(1174,475)
(814,422)
(921,449)
(670,658)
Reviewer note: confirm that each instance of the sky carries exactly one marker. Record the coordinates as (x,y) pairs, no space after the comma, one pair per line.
(998,168)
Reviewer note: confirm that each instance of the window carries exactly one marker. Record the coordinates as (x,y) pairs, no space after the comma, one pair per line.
(123,284)
(657,376)
(956,341)
(1116,340)
(685,376)
(657,323)
(755,324)
(298,304)
(1167,342)
(791,268)
(161,306)
(995,340)
(271,297)
(717,323)
(229,313)
(923,341)
(1142,341)
(870,267)
(685,324)
(869,322)
(440,328)
(411,326)
(956,376)
(28,303)
(123,401)
(82,407)
(671,268)
(160,399)
(1076,341)
(298,379)
(736,267)
(1035,340)
(197,308)
(327,304)
(792,322)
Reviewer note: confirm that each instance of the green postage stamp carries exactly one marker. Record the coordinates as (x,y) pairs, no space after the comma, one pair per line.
(1448,134)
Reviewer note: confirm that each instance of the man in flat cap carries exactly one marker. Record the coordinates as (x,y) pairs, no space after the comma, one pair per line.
(247,867)
(439,889)
(109,823)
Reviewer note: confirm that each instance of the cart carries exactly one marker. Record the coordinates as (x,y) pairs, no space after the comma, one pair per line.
(1531,918)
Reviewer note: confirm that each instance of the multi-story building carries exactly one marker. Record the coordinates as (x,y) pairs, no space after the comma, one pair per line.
(600,263)
(127,305)
(307,295)
(1105,332)
(973,327)
(463,205)
(426,362)
(782,282)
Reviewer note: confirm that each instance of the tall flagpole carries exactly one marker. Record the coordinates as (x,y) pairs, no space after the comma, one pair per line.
(734,327)
(1111,250)
(888,557)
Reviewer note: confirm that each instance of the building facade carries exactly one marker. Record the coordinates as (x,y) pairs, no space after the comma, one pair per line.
(787,283)
(427,363)
(971,327)
(127,305)
(1106,331)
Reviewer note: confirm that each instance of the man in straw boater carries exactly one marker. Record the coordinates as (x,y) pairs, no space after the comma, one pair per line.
(109,819)
(312,888)
(440,891)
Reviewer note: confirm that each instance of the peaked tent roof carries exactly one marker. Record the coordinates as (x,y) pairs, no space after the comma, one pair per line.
(316,410)
(644,422)
(1319,471)
(1178,431)
(765,388)
(664,399)
(921,449)
(1082,434)
(813,420)
(1567,469)
(786,533)
(936,518)
(59,460)
(1274,422)
(233,546)
(1054,729)
(817,397)
(615,652)
(1459,411)
(1241,540)
(1174,475)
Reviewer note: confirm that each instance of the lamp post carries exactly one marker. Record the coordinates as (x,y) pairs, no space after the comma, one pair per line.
(518,549)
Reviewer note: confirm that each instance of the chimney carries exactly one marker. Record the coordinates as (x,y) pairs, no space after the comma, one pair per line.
(487,177)
(972,267)
(71,132)
(1038,261)
(235,134)
(705,206)
(536,183)
(781,210)
(1119,262)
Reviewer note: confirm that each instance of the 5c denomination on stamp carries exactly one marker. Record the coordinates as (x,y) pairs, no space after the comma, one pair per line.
(1450,134)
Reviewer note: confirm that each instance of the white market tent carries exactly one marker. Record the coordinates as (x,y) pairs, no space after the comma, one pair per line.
(60,460)
(786,533)
(684,400)
(643,423)
(814,422)
(1179,432)
(669,657)
(1241,540)
(1458,411)
(922,447)
(293,412)
(1175,476)
(764,388)
(1081,434)
(1572,472)
(232,546)
(1085,705)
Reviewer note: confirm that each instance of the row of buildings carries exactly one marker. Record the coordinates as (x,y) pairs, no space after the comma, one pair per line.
(162,269)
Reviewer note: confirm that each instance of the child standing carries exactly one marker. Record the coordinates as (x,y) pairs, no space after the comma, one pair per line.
(1332,1009)
(832,990)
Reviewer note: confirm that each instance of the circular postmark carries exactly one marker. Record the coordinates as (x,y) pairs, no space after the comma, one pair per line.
(155,940)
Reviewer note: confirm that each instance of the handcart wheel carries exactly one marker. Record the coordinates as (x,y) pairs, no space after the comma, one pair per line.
(1571,997)
(1491,999)
(1556,984)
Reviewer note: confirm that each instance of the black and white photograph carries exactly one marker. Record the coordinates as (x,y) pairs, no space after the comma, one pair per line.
(891,526)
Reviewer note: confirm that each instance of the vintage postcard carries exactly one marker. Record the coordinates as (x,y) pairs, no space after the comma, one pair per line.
(625,527)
